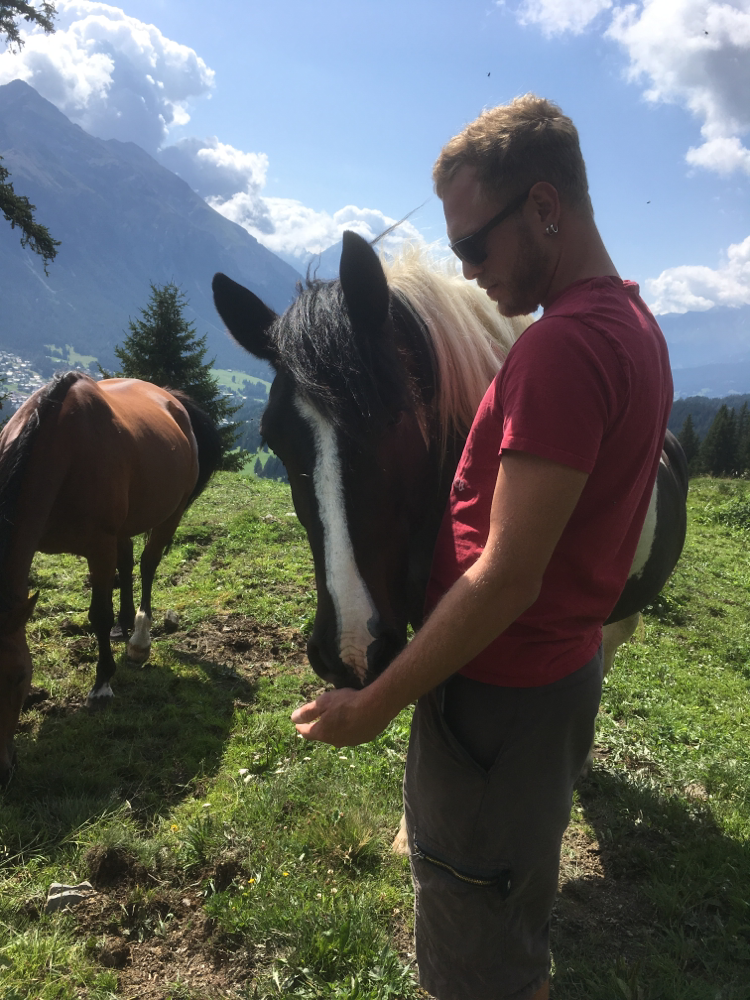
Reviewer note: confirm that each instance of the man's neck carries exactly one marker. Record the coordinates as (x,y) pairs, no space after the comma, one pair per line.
(582,255)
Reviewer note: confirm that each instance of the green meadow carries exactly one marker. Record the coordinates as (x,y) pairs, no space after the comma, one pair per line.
(230,858)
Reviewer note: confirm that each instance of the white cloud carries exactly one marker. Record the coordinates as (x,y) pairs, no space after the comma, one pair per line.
(113,75)
(557,16)
(215,169)
(120,78)
(696,288)
(695,53)
(289,227)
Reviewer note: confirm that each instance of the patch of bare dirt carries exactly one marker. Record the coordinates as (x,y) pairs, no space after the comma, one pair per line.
(594,908)
(157,940)
(111,866)
(238,643)
(155,936)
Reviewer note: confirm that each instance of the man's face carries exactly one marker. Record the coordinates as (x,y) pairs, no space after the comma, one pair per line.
(518,268)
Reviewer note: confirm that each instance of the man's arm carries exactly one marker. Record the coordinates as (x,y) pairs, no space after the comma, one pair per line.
(533,501)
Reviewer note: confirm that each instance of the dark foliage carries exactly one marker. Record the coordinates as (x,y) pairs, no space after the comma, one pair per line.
(16,208)
(163,348)
(719,448)
(715,434)
(690,442)
(248,417)
(12,11)
(702,409)
(273,469)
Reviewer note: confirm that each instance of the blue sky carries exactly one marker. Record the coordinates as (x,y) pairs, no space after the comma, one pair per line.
(298,120)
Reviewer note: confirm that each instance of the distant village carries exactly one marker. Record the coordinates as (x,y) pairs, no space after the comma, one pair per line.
(19,379)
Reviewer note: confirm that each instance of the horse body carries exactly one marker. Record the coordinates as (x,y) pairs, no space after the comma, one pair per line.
(378,378)
(84,466)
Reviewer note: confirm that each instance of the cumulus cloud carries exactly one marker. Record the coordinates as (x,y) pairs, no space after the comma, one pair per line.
(557,16)
(696,288)
(215,169)
(112,74)
(120,78)
(695,53)
(289,227)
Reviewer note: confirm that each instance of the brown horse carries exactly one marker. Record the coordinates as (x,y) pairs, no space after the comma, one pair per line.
(85,466)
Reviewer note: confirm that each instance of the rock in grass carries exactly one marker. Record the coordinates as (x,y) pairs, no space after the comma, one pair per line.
(171,622)
(60,896)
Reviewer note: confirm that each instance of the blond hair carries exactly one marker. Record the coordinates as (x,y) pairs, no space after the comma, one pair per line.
(513,146)
(469,337)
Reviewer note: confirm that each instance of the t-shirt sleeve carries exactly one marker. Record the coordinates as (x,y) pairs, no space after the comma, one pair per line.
(558,392)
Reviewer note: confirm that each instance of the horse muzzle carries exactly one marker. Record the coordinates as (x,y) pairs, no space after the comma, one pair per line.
(344,668)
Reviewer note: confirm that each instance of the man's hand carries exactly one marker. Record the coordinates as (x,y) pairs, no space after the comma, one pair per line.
(533,501)
(343,718)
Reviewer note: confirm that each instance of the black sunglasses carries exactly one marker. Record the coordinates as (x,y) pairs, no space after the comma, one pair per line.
(471,249)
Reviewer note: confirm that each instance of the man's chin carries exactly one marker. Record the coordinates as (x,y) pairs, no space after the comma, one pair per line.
(509,307)
(512,309)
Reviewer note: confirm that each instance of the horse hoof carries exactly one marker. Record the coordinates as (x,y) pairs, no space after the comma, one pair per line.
(100,697)
(116,634)
(138,654)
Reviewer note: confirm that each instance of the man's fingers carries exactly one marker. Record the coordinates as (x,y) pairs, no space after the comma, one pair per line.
(307,713)
(307,729)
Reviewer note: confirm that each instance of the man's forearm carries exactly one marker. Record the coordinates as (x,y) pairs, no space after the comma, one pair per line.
(468,618)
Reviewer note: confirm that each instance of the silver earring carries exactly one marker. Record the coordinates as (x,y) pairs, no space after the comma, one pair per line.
(551,229)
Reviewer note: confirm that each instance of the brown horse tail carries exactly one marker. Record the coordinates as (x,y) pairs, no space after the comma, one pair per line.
(207,437)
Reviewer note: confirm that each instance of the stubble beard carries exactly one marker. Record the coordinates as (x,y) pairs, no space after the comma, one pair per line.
(527,284)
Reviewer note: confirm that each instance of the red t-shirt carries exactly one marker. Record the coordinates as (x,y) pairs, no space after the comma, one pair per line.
(588,385)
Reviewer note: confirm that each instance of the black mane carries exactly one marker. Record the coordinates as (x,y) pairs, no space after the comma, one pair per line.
(14,460)
(355,378)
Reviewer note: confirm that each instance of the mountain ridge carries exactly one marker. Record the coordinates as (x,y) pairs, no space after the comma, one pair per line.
(124,221)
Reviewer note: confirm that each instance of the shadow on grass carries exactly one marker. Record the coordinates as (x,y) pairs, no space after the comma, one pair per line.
(669,917)
(160,740)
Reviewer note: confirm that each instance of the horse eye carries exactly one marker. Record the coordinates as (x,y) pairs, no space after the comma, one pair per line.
(395,420)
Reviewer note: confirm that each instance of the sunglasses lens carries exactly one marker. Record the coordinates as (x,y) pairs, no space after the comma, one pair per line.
(469,253)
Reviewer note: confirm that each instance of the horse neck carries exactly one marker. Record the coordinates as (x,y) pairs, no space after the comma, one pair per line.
(37,493)
(422,544)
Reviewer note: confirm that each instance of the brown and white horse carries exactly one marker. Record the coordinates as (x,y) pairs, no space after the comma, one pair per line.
(85,466)
(378,377)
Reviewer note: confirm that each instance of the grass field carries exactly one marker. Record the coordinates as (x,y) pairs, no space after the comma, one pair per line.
(232,859)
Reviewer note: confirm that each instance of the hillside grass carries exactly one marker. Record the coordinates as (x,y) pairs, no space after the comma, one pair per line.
(233,859)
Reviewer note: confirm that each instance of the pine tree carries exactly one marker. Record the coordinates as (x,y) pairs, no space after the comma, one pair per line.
(743,441)
(690,444)
(163,348)
(16,208)
(718,454)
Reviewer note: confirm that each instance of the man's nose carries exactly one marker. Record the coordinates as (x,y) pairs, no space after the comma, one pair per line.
(470,271)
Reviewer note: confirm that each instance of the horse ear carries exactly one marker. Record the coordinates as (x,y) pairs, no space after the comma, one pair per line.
(363,282)
(245,316)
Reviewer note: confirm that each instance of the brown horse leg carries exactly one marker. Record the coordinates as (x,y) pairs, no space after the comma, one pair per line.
(139,646)
(126,617)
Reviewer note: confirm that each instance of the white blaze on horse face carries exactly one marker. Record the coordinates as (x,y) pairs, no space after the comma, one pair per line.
(349,593)
(646,541)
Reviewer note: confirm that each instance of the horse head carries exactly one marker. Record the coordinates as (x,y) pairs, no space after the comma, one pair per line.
(349,415)
(15,678)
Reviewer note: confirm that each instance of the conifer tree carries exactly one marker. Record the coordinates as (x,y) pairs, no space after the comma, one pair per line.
(163,348)
(718,454)
(743,441)
(690,444)
(16,208)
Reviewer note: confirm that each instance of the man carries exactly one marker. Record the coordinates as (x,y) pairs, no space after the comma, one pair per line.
(545,512)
